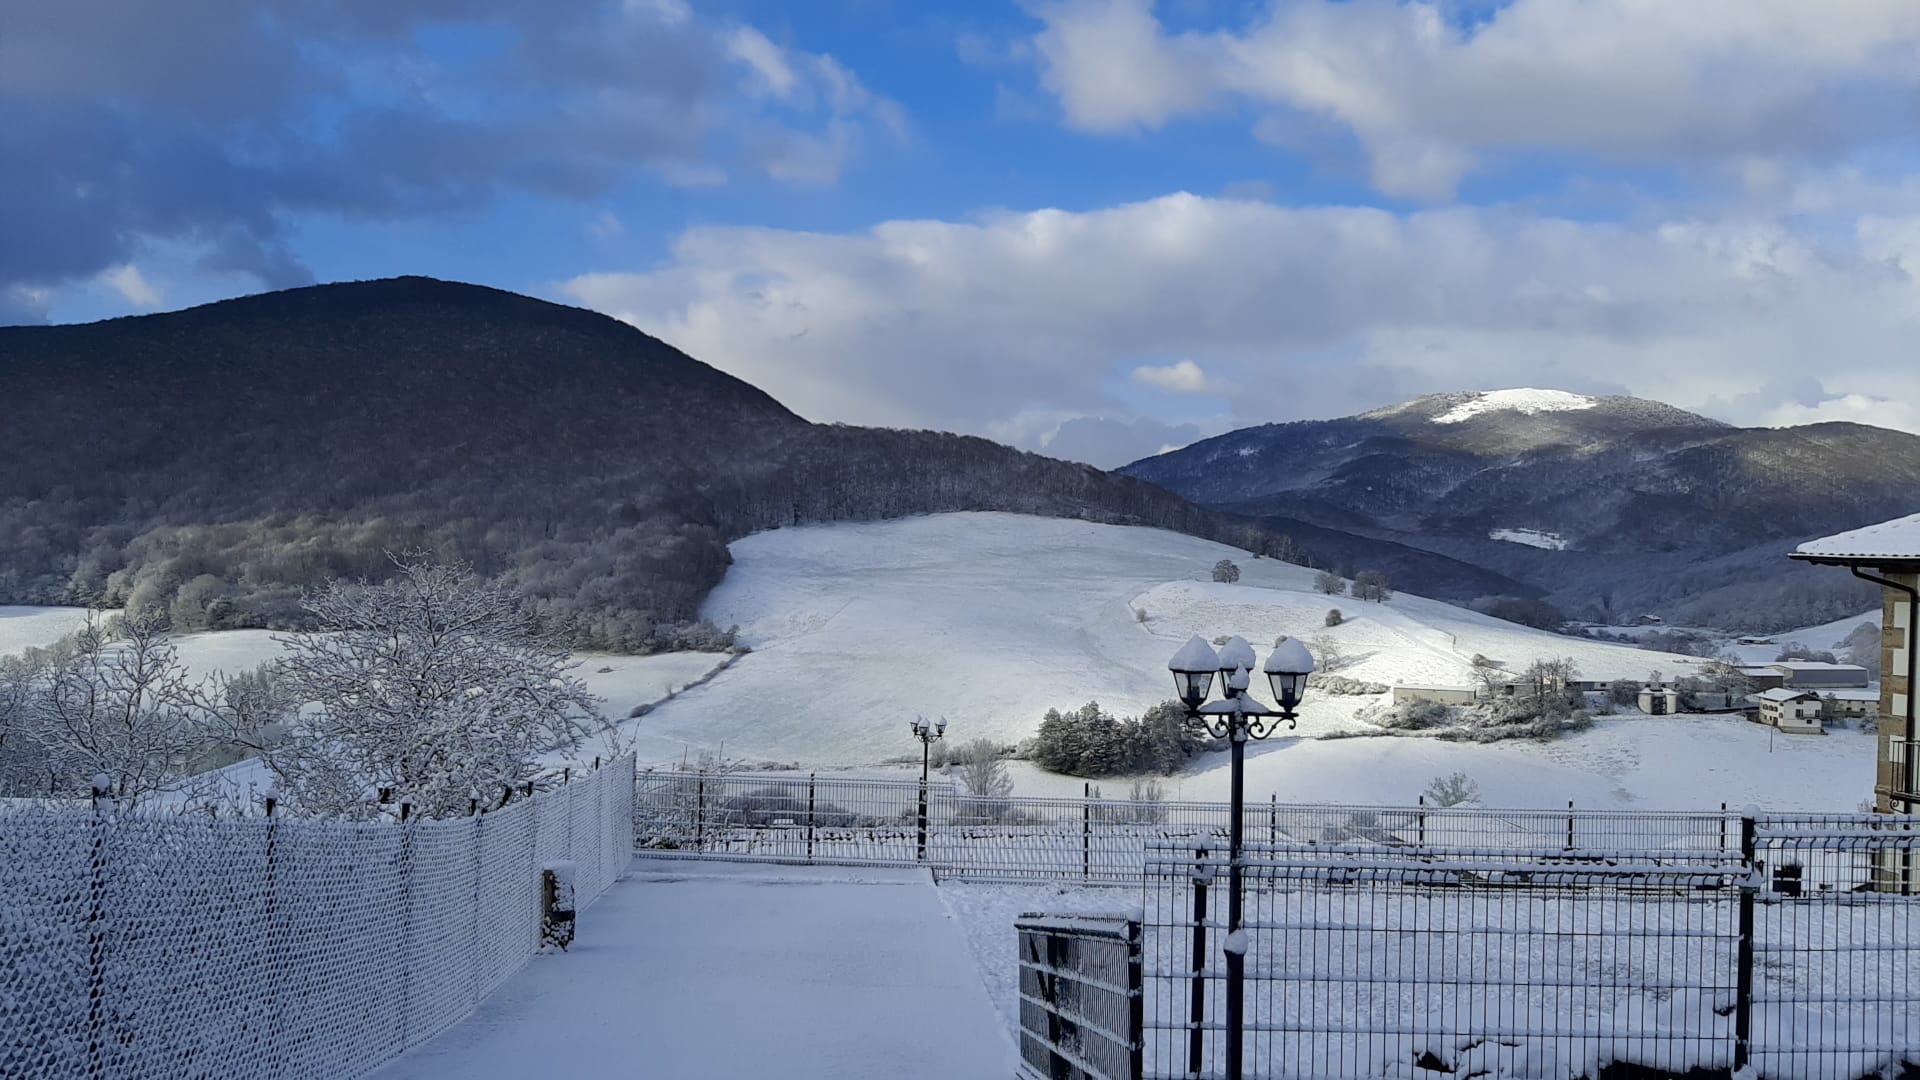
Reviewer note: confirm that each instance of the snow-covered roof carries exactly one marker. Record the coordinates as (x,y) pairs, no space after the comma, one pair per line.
(1898,540)
(1815,665)
(1785,693)
(1523,400)
(1445,689)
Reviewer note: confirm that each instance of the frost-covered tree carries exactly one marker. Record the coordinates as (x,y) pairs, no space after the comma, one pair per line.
(434,684)
(1372,585)
(1327,654)
(1330,583)
(1862,647)
(113,699)
(1226,571)
(1334,618)
(982,772)
(1454,789)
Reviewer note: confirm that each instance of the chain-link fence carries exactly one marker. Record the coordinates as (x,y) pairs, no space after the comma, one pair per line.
(155,944)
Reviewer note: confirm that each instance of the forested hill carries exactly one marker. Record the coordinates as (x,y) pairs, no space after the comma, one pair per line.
(216,460)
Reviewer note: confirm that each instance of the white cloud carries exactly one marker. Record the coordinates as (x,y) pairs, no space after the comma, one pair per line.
(1184,377)
(767,60)
(129,282)
(1740,81)
(1323,311)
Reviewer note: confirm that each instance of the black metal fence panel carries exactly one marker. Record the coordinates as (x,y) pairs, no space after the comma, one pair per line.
(1080,998)
(1793,955)
(878,822)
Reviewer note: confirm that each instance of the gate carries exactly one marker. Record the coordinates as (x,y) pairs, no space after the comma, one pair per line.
(1080,998)
(1372,959)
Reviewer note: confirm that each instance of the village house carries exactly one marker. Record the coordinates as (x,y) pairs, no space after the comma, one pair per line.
(1887,554)
(1795,712)
(1817,675)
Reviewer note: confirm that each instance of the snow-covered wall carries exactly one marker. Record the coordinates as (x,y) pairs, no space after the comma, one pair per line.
(155,944)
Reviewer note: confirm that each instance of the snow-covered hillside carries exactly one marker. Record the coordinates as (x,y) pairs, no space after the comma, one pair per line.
(991,619)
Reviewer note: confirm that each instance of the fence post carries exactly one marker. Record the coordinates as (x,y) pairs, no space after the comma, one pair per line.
(1569,824)
(97,933)
(809,817)
(920,837)
(1137,1005)
(1086,831)
(1197,996)
(700,812)
(406,922)
(1743,975)
(275,1012)
(475,992)
(1420,836)
(1273,818)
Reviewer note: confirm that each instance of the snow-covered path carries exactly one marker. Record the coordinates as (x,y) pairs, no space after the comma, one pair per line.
(741,971)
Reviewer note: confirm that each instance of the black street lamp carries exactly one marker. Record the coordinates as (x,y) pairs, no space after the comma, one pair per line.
(1238,717)
(928,734)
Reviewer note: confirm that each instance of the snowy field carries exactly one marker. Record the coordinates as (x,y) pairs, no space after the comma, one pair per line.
(28,627)
(991,619)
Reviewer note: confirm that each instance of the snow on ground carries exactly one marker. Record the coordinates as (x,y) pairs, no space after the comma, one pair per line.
(729,970)
(991,619)
(29,627)
(1531,538)
(1826,636)
(986,913)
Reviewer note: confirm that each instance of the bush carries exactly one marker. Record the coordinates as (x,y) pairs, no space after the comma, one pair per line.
(1334,618)
(1455,789)
(1226,571)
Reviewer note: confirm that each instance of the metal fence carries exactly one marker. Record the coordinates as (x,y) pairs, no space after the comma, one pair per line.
(1080,997)
(1792,951)
(877,822)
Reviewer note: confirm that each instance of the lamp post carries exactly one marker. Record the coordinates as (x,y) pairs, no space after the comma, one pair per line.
(1237,717)
(928,734)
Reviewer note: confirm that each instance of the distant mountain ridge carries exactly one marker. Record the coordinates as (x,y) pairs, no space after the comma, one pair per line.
(1636,492)
(216,460)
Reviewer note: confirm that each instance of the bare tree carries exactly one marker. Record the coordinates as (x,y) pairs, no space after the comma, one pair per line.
(1372,585)
(1455,789)
(114,701)
(1327,654)
(434,684)
(982,772)
(1330,583)
(1488,675)
(1226,571)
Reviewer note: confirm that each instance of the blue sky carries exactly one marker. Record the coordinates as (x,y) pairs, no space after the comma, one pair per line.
(1092,227)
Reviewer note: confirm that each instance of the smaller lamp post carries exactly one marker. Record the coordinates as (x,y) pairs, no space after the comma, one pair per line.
(928,734)
(1237,718)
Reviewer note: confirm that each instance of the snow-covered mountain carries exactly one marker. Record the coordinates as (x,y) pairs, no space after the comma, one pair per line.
(1608,503)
